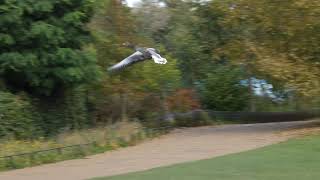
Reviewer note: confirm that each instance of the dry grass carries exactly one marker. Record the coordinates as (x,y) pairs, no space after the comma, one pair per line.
(312,129)
(101,134)
(106,138)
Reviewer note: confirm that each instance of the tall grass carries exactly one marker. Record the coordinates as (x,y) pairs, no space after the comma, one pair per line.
(98,140)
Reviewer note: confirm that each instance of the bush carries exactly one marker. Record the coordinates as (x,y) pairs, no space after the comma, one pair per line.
(63,112)
(17,117)
(183,100)
(222,91)
(192,119)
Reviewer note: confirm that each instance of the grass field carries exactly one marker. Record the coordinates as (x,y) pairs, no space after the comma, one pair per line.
(297,159)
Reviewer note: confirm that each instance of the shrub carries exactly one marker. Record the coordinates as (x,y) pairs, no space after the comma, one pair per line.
(63,112)
(221,90)
(183,100)
(192,119)
(17,117)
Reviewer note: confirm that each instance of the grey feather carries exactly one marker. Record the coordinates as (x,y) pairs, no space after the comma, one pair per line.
(134,58)
(140,55)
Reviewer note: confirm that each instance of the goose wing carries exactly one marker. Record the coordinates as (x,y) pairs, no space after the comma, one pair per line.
(156,57)
(135,57)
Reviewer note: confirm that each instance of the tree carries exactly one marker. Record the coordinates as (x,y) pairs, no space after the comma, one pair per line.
(127,91)
(280,39)
(113,25)
(152,19)
(42,45)
(161,79)
(45,54)
(222,90)
(182,42)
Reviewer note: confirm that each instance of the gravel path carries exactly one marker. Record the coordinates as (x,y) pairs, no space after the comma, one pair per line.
(181,145)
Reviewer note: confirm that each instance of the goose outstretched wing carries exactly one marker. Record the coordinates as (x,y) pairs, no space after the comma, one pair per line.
(135,57)
(156,56)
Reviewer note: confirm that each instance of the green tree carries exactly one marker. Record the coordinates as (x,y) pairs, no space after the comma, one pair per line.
(152,20)
(271,43)
(125,92)
(182,41)
(277,38)
(18,117)
(113,25)
(41,45)
(222,90)
(161,79)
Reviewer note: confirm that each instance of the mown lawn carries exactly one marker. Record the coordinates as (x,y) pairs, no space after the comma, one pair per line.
(297,159)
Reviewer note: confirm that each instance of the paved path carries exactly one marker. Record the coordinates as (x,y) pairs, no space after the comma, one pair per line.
(181,145)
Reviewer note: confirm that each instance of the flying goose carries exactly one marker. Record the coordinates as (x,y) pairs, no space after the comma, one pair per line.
(140,55)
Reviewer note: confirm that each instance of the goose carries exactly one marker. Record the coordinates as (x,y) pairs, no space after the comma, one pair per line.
(140,55)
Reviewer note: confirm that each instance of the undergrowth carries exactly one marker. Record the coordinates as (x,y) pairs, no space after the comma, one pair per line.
(93,141)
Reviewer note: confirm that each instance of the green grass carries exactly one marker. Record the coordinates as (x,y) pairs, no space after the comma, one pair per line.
(293,160)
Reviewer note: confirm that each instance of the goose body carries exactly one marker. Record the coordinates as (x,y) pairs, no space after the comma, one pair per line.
(140,55)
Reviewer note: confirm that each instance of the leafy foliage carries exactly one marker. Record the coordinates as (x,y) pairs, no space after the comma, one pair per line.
(42,42)
(17,118)
(183,100)
(282,44)
(127,91)
(66,112)
(47,52)
(222,90)
(193,119)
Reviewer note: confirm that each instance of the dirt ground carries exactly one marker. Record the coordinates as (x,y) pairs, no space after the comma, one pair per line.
(182,145)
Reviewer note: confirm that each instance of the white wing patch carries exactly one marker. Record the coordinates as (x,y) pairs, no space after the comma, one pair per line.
(158,59)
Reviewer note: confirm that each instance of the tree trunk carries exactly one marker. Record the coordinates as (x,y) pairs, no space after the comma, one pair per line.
(124,105)
(165,106)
